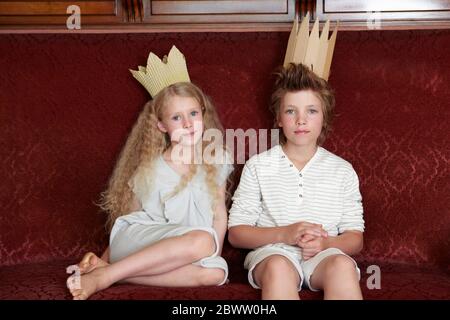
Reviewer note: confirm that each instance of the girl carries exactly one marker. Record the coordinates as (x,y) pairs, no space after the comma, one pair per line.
(298,205)
(168,215)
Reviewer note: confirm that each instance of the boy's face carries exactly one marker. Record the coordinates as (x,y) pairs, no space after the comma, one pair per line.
(301,117)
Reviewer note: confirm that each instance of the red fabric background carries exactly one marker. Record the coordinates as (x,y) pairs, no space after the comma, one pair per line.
(67,103)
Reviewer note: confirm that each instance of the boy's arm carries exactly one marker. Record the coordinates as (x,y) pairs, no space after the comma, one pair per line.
(350,242)
(246,210)
(249,237)
(351,226)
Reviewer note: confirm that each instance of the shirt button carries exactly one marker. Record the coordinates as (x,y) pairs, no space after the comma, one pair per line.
(300,185)
(283,157)
(300,175)
(291,165)
(300,195)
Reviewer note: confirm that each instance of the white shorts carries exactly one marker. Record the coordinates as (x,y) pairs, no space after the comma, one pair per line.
(304,268)
(127,239)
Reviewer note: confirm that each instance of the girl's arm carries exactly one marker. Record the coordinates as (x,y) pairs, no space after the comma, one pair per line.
(220,218)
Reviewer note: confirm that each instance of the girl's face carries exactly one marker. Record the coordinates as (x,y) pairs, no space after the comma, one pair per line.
(182,119)
(301,117)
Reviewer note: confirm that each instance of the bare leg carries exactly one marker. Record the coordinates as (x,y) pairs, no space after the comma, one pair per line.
(186,276)
(90,262)
(278,278)
(161,257)
(338,278)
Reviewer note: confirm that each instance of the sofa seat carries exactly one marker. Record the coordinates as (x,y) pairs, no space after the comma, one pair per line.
(46,280)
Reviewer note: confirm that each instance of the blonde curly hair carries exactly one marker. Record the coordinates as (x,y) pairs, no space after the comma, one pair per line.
(146,143)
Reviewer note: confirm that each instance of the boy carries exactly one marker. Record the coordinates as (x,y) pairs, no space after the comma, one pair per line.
(298,206)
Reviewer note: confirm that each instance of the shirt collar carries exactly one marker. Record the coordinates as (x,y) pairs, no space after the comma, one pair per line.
(279,153)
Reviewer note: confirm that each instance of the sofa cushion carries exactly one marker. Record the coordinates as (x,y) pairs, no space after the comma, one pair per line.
(47,281)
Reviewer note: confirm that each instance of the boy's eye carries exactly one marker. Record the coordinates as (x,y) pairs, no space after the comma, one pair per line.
(176,118)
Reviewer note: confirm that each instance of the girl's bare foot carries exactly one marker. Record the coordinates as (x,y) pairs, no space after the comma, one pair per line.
(88,284)
(90,262)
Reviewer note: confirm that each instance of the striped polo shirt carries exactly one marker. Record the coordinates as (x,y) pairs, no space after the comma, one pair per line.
(272,192)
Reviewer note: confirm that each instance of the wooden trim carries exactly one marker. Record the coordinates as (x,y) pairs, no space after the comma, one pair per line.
(308,6)
(50,8)
(47,13)
(128,14)
(161,7)
(223,11)
(248,27)
(391,15)
(361,6)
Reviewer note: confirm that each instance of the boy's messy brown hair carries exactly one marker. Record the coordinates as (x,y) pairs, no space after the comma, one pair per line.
(297,77)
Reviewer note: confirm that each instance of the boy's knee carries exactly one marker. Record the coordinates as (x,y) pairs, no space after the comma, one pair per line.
(277,267)
(200,243)
(339,264)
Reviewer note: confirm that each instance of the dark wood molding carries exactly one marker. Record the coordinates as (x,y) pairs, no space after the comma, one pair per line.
(385,14)
(119,16)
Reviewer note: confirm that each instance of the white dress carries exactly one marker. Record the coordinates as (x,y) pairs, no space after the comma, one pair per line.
(164,217)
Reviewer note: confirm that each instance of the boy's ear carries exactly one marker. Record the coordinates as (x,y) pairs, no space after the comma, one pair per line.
(279,122)
(161,127)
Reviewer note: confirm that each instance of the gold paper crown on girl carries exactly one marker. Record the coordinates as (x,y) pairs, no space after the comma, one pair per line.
(309,49)
(162,73)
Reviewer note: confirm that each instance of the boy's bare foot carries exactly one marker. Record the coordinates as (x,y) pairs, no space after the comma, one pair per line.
(90,262)
(88,284)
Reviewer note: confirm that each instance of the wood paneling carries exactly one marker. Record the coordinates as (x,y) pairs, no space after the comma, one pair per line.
(55,12)
(386,14)
(221,11)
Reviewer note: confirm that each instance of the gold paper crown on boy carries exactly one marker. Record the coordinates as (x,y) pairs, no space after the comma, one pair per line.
(309,49)
(162,73)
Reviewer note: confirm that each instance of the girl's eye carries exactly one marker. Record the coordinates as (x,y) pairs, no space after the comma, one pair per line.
(176,118)
(194,113)
(290,111)
(313,111)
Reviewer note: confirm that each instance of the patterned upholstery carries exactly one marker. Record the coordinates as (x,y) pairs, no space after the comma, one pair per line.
(67,103)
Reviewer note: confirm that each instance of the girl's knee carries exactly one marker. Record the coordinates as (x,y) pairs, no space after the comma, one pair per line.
(211,276)
(200,243)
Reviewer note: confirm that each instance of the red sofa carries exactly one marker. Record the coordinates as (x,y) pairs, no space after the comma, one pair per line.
(67,103)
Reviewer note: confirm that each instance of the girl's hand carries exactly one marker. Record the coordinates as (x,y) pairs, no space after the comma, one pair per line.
(293,233)
(311,247)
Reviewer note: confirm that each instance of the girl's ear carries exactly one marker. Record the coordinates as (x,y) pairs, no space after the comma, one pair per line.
(161,127)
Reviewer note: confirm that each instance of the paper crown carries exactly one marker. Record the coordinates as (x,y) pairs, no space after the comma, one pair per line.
(160,74)
(308,49)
